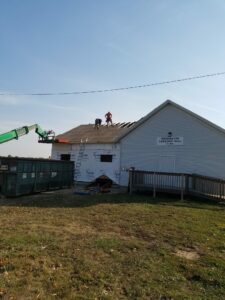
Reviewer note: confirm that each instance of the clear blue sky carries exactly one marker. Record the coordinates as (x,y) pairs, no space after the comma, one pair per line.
(74,45)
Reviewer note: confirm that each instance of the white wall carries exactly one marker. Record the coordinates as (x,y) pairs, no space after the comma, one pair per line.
(91,167)
(203,150)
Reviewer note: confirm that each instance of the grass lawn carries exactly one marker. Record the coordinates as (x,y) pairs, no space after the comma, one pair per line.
(111,247)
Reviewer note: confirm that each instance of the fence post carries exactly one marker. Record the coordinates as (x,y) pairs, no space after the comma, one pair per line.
(131,181)
(220,190)
(182,187)
(193,182)
(154,190)
(186,184)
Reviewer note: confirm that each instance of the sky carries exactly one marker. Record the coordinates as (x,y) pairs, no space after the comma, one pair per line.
(75,45)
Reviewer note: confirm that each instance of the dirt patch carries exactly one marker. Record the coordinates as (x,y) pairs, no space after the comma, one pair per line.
(187,253)
(67,191)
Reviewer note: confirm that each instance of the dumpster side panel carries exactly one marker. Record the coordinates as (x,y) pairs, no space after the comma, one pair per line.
(21,176)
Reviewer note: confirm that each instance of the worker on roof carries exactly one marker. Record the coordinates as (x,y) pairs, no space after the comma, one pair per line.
(108,117)
(98,123)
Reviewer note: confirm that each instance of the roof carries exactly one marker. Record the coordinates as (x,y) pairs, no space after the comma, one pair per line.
(115,133)
(91,135)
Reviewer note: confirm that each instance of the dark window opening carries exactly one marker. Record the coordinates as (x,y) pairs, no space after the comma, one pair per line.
(65,156)
(106,158)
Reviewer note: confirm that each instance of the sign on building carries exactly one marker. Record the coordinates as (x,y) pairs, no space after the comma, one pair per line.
(164,141)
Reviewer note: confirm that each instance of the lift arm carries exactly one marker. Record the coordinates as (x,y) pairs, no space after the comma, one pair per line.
(44,136)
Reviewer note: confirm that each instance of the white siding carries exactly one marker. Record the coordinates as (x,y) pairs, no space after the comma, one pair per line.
(58,149)
(203,151)
(91,167)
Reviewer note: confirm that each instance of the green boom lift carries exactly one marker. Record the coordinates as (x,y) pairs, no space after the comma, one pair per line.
(44,136)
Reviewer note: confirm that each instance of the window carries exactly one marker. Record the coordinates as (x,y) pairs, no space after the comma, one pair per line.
(65,156)
(24,175)
(54,174)
(106,158)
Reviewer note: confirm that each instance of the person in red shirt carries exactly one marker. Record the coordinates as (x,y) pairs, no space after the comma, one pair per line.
(108,117)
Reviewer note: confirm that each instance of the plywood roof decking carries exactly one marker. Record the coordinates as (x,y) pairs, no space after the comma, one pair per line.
(91,135)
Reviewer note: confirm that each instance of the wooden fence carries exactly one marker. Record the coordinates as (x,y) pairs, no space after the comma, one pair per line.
(179,183)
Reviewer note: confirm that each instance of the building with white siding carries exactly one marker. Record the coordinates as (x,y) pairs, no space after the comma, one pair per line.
(170,139)
(95,152)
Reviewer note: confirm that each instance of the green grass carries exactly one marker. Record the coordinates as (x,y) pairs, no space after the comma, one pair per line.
(111,247)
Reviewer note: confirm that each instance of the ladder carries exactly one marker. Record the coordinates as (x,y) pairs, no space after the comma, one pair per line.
(79,160)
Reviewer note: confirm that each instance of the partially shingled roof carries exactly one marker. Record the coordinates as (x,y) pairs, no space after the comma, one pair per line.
(91,135)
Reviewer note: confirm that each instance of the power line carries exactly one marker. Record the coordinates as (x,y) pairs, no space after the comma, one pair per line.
(114,89)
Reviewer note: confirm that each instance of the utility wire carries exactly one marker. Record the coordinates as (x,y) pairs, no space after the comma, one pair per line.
(114,89)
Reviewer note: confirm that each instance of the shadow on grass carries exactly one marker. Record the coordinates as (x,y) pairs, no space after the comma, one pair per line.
(57,200)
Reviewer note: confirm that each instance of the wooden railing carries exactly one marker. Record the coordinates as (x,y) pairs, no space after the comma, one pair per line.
(180,183)
(209,187)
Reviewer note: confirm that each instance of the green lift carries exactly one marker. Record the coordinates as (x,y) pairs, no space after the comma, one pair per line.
(44,136)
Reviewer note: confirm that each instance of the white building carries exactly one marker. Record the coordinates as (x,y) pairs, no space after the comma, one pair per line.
(95,152)
(170,139)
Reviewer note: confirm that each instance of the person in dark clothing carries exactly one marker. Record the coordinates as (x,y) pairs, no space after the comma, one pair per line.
(98,123)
